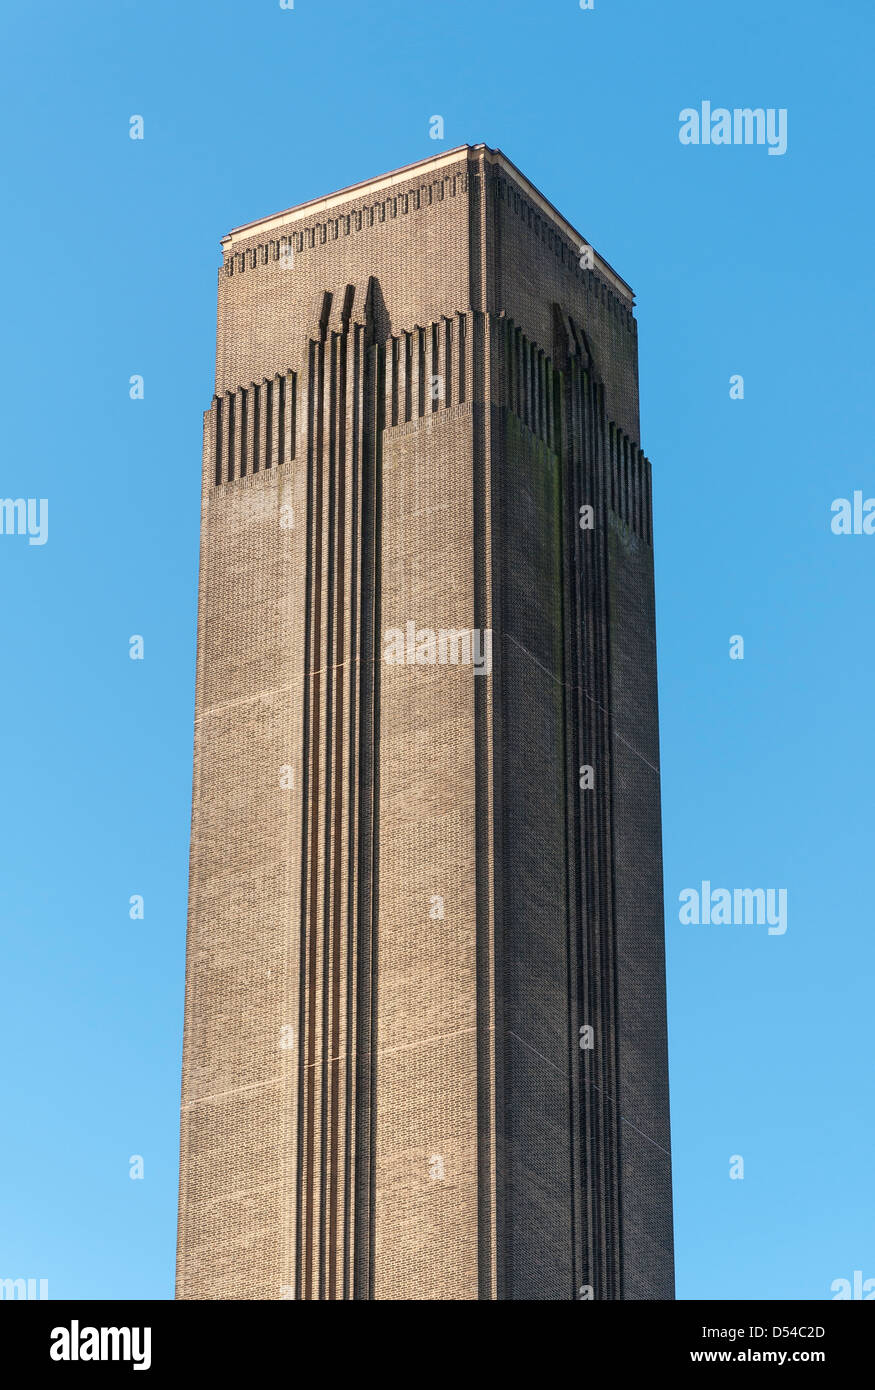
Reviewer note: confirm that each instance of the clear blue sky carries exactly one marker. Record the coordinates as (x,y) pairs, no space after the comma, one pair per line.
(743,263)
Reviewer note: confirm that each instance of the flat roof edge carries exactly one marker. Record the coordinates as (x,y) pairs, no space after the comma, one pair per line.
(401,175)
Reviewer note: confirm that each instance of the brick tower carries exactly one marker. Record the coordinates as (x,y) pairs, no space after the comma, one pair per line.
(425,1036)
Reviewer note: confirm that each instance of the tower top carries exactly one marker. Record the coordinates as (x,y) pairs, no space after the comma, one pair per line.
(382,182)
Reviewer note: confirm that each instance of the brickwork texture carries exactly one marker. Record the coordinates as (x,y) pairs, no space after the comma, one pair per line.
(425,1034)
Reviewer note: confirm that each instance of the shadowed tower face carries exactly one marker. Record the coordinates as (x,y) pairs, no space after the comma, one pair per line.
(425,1038)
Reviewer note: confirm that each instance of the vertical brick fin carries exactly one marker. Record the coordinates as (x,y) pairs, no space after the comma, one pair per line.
(280,419)
(559,399)
(534,1232)
(407,369)
(431,400)
(523,376)
(365,905)
(242,431)
(268,423)
(414,374)
(216,428)
(567,439)
(603,929)
(391,378)
(629,484)
(447,359)
(335,841)
(426,369)
(463,356)
(628,494)
(420,383)
(343,1049)
(528,382)
(578,480)
(311,789)
(535,408)
(291,406)
(400,384)
(231,453)
(593,469)
(338,842)
(609,1113)
(613,479)
(254,428)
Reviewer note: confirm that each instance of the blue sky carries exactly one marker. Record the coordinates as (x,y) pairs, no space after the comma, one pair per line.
(743,263)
